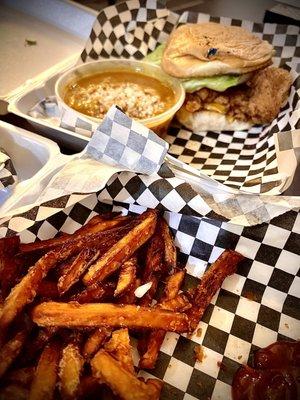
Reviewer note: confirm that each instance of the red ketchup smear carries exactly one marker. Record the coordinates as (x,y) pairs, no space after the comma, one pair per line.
(275,376)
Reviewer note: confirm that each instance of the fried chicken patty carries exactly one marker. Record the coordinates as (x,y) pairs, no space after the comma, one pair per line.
(257,101)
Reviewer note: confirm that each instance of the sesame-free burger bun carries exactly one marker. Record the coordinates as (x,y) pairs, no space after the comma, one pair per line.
(201,121)
(207,49)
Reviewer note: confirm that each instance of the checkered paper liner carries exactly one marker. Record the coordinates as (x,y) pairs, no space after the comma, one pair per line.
(233,326)
(242,160)
(8,175)
(129,163)
(248,161)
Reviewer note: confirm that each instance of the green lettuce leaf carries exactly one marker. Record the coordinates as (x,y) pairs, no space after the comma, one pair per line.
(156,56)
(218,82)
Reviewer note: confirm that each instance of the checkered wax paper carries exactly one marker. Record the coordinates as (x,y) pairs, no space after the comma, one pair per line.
(255,307)
(244,160)
(128,163)
(8,175)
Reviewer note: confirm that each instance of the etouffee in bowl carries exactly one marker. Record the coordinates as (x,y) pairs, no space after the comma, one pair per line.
(143,91)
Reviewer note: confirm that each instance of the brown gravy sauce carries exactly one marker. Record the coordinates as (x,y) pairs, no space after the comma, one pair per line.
(274,376)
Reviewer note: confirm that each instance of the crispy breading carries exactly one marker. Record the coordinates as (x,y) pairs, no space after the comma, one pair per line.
(258,100)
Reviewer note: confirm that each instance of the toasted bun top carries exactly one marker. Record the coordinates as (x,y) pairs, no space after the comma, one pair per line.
(213,49)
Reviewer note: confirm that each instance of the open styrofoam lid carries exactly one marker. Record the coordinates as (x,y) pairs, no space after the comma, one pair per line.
(50,45)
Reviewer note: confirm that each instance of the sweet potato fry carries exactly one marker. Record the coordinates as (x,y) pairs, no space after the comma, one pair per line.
(89,388)
(211,281)
(9,263)
(43,337)
(129,296)
(33,347)
(48,289)
(76,269)
(25,291)
(94,293)
(127,276)
(122,250)
(170,249)
(14,392)
(179,303)
(154,256)
(63,267)
(95,341)
(173,284)
(151,346)
(88,229)
(119,347)
(99,314)
(122,382)
(157,386)
(11,350)
(70,368)
(155,268)
(107,221)
(45,377)
(22,376)
(146,300)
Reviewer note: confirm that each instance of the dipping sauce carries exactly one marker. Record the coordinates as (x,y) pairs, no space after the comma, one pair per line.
(139,96)
(275,376)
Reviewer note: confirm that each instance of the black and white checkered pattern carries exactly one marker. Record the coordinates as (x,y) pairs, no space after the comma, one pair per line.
(233,325)
(130,30)
(248,161)
(242,160)
(123,142)
(129,163)
(8,175)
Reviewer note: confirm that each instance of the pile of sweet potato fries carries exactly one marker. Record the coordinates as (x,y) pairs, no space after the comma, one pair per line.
(70,304)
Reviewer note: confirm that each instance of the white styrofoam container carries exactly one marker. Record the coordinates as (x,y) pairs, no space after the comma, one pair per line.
(28,73)
(30,95)
(33,157)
